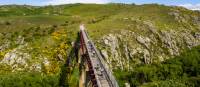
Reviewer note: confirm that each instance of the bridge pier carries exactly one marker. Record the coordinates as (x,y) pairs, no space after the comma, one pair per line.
(82,73)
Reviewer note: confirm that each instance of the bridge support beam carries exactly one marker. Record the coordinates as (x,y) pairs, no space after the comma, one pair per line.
(82,79)
(83,82)
(85,73)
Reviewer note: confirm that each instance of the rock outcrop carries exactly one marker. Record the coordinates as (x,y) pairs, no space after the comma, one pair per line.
(16,59)
(20,60)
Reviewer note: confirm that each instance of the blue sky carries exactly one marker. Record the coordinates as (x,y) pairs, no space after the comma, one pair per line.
(168,2)
(191,4)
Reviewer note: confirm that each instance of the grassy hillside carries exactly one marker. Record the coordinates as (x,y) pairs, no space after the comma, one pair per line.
(35,41)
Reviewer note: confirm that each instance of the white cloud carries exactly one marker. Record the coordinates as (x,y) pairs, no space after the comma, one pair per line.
(57,2)
(191,6)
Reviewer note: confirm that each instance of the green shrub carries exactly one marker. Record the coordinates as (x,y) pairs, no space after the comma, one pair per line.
(181,71)
(28,80)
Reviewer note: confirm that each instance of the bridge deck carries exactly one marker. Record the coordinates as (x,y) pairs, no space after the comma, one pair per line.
(101,71)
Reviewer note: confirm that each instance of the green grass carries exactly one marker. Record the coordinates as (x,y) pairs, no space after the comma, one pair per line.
(106,17)
(18,23)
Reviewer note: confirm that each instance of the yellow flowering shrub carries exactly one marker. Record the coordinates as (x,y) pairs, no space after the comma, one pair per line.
(57,35)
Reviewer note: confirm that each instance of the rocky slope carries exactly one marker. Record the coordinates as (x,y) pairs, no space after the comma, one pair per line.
(143,41)
(127,48)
